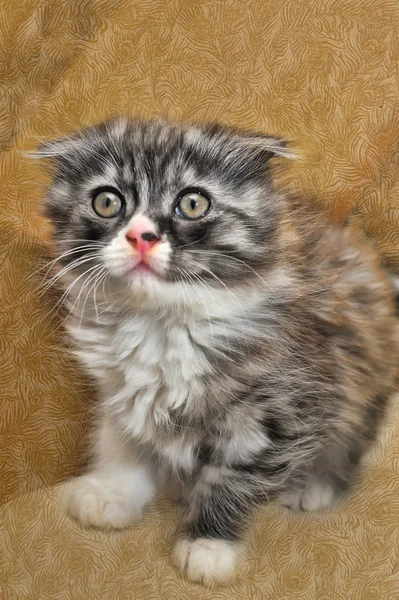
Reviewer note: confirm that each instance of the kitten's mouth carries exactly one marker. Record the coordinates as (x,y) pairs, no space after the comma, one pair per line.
(143,269)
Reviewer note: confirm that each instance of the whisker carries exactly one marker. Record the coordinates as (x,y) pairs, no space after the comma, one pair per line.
(227,256)
(194,242)
(210,273)
(74,240)
(182,286)
(100,279)
(90,279)
(190,277)
(60,303)
(64,255)
(94,268)
(65,270)
(228,318)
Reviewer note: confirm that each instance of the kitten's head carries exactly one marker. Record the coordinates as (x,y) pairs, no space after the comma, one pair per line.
(164,209)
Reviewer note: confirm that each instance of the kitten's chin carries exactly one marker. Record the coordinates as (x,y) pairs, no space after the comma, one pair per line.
(144,282)
(150,289)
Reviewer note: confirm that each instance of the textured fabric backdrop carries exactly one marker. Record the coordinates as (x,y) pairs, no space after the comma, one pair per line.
(323,73)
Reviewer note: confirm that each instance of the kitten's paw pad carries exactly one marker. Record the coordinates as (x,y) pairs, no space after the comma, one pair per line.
(97,502)
(207,561)
(315,496)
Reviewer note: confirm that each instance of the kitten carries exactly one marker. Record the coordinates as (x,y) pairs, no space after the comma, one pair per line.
(243,344)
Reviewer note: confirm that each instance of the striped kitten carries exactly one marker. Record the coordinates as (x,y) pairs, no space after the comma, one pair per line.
(244,345)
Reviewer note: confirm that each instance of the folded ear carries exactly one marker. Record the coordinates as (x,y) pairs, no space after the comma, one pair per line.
(71,147)
(261,143)
(62,154)
(242,143)
(60,147)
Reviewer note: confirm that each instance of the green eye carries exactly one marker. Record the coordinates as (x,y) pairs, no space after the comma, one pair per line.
(107,204)
(193,205)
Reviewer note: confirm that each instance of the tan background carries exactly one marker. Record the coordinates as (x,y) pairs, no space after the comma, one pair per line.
(322,73)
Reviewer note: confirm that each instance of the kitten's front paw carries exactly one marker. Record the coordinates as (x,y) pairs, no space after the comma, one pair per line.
(207,561)
(315,496)
(100,502)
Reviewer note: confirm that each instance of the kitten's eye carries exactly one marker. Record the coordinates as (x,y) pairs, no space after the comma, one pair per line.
(107,204)
(193,205)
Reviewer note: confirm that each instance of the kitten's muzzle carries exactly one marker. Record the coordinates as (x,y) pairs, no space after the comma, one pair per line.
(142,241)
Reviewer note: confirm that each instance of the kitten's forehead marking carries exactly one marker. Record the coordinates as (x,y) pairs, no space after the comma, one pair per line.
(108,178)
(111,173)
(143,187)
(189,177)
(128,174)
(172,168)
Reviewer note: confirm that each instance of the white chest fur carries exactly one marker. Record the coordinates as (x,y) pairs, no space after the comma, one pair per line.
(145,367)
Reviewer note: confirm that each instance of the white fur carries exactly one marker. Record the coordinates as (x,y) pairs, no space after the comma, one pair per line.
(118,486)
(206,561)
(146,366)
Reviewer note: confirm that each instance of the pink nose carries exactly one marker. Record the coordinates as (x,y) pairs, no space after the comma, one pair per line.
(142,241)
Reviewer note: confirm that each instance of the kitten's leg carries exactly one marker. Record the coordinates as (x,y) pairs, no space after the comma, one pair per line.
(217,508)
(116,488)
(330,476)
